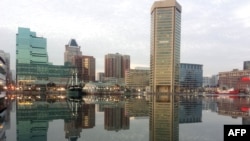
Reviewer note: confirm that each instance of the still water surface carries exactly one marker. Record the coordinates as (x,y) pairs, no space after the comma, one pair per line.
(119,118)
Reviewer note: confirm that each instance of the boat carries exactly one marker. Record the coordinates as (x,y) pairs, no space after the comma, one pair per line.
(74,89)
(227,91)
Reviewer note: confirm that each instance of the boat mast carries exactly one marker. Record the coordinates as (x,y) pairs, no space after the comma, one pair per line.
(76,79)
(72,78)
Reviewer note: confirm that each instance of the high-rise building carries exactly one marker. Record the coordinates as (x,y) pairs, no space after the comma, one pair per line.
(116,65)
(88,68)
(164,63)
(125,64)
(165,45)
(71,50)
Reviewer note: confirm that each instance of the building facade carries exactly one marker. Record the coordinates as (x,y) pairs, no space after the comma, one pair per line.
(116,65)
(100,76)
(191,76)
(165,46)
(88,68)
(32,66)
(137,79)
(125,64)
(30,49)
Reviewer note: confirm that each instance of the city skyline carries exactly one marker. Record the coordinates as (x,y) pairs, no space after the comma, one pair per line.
(214,33)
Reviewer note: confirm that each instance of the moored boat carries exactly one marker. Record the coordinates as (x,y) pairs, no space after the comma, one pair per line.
(74,89)
(227,91)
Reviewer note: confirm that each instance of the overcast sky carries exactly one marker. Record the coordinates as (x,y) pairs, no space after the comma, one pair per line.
(215,33)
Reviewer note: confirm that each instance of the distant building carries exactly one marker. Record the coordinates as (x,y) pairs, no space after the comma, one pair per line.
(116,65)
(210,81)
(88,68)
(3,70)
(214,80)
(125,64)
(100,76)
(165,46)
(191,76)
(137,79)
(206,82)
(238,79)
(71,50)
(246,65)
(8,71)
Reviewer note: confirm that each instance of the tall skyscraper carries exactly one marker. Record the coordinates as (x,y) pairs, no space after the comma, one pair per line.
(125,64)
(116,65)
(71,50)
(164,63)
(165,45)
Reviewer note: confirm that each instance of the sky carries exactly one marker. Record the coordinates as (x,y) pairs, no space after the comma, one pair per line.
(214,33)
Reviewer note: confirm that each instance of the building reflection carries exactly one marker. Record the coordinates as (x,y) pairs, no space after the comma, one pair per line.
(190,109)
(6,107)
(236,107)
(82,117)
(164,118)
(33,117)
(115,117)
(137,106)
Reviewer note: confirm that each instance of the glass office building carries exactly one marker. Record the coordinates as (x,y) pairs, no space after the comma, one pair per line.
(32,66)
(191,77)
(30,49)
(165,46)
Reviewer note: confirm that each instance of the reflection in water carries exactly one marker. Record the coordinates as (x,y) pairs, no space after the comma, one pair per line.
(235,107)
(165,112)
(5,108)
(33,117)
(164,121)
(190,109)
(115,118)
